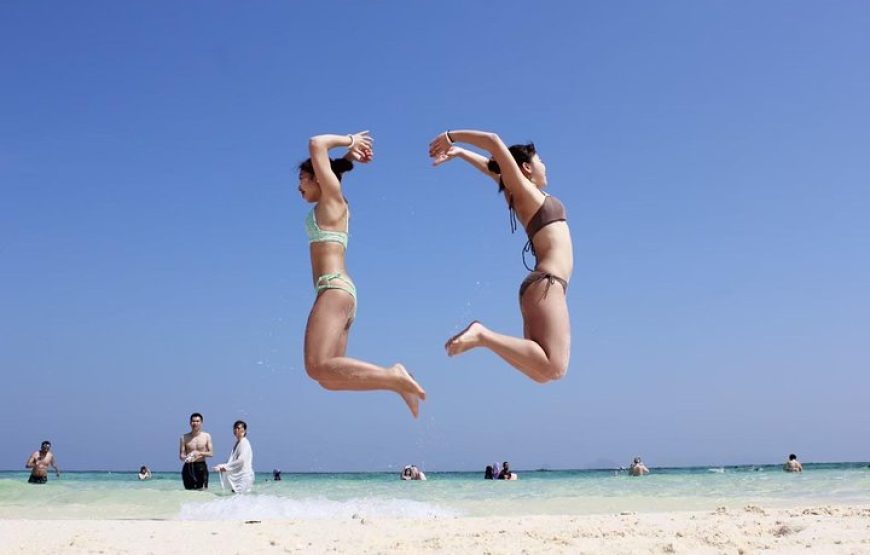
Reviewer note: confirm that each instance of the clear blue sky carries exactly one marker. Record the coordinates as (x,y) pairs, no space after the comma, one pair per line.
(713,158)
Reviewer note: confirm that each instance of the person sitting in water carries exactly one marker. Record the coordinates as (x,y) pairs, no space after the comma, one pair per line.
(793,464)
(144,473)
(637,468)
(488,473)
(506,473)
(39,462)
(411,472)
(238,471)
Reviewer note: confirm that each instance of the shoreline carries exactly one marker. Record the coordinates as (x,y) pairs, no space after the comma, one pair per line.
(828,528)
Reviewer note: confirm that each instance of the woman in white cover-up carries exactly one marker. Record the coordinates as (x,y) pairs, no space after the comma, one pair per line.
(239,469)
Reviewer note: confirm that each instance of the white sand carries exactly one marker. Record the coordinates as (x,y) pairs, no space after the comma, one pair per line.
(811,530)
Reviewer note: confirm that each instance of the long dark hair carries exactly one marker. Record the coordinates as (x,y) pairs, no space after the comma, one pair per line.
(338,166)
(522,154)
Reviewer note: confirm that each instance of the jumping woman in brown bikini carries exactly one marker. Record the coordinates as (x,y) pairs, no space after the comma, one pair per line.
(543,352)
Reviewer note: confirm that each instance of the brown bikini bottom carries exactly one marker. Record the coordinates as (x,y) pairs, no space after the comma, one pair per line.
(538,276)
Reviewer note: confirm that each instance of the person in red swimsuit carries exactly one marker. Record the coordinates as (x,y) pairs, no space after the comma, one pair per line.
(544,351)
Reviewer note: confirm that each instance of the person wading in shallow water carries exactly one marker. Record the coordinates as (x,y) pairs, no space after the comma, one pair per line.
(193,449)
(39,462)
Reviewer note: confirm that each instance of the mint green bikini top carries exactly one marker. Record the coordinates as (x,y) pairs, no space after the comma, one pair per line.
(317,235)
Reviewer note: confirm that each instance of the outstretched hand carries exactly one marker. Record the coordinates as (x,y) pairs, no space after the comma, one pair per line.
(446,156)
(439,146)
(361,150)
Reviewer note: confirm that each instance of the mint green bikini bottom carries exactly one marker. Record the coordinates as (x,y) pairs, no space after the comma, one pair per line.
(337,281)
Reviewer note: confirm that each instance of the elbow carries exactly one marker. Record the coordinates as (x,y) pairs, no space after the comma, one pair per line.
(492,141)
(316,144)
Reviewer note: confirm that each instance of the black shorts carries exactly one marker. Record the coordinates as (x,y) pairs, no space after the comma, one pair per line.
(37,479)
(195,475)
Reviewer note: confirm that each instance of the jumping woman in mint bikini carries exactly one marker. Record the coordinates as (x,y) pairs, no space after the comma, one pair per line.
(335,304)
(543,352)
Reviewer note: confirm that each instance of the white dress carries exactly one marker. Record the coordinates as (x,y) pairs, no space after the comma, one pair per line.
(240,467)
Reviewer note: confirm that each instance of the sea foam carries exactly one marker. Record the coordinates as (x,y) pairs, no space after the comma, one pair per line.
(270,507)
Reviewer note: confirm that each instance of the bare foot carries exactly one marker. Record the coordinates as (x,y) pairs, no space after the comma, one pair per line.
(412,401)
(411,391)
(465,340)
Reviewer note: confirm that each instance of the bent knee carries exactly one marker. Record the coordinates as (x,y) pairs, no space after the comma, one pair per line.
(554,371)
(319,373)
(315,370)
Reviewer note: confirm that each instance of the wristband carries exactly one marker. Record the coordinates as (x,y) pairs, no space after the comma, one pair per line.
(352,141)
(450,140)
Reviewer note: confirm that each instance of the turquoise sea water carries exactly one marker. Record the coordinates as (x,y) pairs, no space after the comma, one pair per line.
(120,495)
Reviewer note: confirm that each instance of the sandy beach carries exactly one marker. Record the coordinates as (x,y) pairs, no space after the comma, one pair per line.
(750,529)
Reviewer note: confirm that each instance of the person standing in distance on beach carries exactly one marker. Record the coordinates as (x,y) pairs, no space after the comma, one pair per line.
(544,351)
(193,449)
(793,464)
(39,462)
(335,303)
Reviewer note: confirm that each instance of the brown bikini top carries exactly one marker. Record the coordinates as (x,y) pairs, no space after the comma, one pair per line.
(551,211)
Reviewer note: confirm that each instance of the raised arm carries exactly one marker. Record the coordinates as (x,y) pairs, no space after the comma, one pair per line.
(359,144)
(511,175)
(478,161)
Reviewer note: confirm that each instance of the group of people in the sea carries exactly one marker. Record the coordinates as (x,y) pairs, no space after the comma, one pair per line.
(638,468)
(237,474)
(493,472)
(411,472)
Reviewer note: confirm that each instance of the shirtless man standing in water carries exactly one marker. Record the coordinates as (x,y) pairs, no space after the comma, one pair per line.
(193,449)
(39,461)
